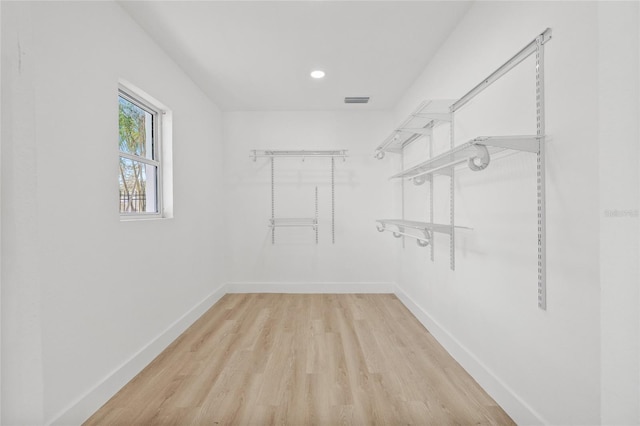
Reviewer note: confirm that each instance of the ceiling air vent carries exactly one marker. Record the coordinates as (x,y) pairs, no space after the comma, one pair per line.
(356,100)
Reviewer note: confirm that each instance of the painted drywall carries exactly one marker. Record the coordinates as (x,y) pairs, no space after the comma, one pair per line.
(83,292)
(546,364)
(618,91)
(0,226)
(22,381)
(360,256)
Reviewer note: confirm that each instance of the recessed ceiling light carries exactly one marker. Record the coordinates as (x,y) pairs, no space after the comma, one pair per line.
(317,74)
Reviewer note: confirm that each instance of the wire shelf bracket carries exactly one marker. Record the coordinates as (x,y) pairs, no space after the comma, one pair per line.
(429,114)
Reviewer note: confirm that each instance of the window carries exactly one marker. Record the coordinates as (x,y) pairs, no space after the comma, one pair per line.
(141,169)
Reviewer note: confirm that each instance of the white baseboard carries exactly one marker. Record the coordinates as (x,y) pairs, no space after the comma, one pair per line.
(86,405)
(310,288)
(511,403)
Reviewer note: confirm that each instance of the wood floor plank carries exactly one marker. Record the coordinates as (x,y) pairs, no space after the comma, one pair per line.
(327,359)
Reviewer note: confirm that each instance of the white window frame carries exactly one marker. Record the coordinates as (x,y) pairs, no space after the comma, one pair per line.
(144,102)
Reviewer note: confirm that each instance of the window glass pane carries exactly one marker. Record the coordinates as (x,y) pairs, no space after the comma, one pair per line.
(138,187)
(136,129)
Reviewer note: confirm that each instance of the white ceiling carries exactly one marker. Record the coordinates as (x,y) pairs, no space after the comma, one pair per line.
(257,55)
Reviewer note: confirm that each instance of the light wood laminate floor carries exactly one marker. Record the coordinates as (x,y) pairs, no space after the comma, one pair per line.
(297,359)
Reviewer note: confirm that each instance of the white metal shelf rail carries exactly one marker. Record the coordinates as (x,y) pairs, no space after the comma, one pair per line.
(277,222)
(270,153)
(475,153)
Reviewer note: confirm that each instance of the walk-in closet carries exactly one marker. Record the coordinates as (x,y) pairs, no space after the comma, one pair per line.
(317,212)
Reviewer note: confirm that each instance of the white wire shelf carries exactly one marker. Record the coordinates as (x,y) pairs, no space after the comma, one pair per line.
(339,153)
(298,222)
(476,153)
(399,228)
(417,124)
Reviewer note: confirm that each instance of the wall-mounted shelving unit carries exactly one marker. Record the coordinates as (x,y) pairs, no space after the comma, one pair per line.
(476,153)
(278,222)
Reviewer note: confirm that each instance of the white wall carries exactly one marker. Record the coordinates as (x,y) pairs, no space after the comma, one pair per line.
(1,227)
(22,381)
(542,366)
(619,148)
(361,259)
(76,306)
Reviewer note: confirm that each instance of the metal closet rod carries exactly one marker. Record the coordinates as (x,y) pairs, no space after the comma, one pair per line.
(504,68)
(342,153)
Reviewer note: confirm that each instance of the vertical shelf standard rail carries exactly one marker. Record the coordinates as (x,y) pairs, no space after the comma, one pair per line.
(541,173)
(273,201)
(534,47)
